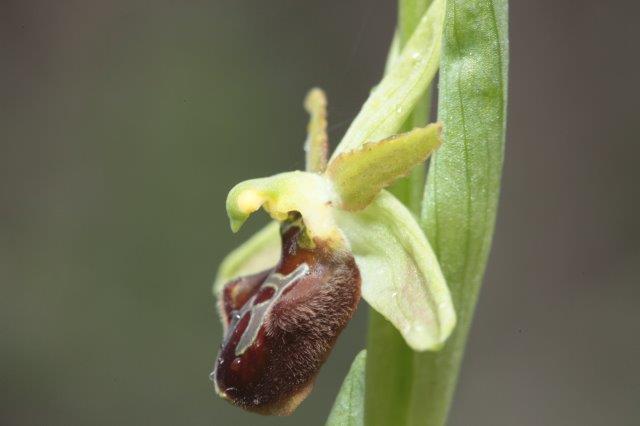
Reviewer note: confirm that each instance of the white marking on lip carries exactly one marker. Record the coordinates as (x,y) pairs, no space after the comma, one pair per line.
(259,312)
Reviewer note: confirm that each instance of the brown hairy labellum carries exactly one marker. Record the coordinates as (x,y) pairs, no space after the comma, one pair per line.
(281,324)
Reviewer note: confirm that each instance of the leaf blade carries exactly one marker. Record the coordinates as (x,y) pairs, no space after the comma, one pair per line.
(463,183)
(348,408)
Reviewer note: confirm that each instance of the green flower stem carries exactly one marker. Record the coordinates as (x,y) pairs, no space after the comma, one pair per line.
(389,372)
(458,215)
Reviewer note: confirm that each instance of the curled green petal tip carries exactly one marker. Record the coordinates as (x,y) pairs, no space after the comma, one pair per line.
(240,204)
(309,194)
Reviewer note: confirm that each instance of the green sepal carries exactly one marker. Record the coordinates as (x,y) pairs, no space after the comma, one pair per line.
(359,175)
(401,277)
(258,253)
(394,98)
(394,52)
(348,409)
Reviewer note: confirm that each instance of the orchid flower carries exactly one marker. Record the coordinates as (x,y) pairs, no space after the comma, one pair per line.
(287,293)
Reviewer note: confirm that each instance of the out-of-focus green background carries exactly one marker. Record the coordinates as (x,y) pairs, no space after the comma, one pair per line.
(124,123)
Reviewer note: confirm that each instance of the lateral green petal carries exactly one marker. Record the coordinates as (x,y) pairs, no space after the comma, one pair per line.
(359,175)
(348,410)
(260,252)
(391,102)
(401,277)
(317,144)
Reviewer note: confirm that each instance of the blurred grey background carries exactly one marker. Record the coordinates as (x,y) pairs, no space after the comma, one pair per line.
(124,123)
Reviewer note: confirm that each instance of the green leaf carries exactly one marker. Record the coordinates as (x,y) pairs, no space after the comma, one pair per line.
(463,184)
(348,409)
(260,252)
(393,100)
(401,278)
(359,175)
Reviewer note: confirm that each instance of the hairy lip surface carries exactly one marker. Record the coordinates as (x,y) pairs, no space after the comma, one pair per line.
(281,324)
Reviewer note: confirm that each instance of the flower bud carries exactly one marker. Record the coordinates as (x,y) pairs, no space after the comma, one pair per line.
(281,324)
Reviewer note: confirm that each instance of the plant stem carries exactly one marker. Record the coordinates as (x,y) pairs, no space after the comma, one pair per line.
(389,373)
(459,210)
